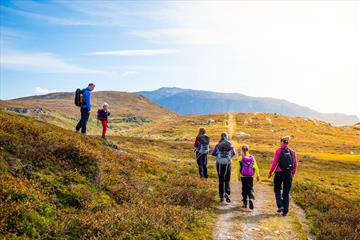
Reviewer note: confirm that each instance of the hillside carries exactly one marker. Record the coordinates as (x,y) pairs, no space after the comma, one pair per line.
(187,101)
(54,186)
(127,109)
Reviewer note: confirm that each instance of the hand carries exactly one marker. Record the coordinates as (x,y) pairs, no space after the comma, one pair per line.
(269,175)
(89,112)
(257,178)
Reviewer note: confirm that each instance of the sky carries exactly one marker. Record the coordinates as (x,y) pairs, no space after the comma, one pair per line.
(306,52)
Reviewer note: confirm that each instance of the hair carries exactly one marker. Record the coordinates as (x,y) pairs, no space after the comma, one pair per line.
(105,104)
(91,85)
(285,139)
(202,131)
(244,149)
(224,136)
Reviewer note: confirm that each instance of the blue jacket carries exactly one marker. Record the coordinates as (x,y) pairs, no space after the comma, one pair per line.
(86,99)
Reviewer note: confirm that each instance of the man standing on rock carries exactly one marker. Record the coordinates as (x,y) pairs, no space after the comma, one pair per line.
(85,108)
(284,165)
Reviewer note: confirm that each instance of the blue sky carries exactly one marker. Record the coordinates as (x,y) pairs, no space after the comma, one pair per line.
(305,52)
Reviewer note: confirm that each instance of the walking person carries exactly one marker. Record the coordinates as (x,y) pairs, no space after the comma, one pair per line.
(284,165)
(224,151)
(103,116)
(248,169)
(85,108)
(202,148)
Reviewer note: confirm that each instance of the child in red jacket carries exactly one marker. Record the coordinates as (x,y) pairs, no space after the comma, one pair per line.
(103,115)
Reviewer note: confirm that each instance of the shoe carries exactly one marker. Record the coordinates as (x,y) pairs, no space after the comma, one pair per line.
(284,214)
(227,198)
(280,210)
(251,204)
(244,205)
(103,138)
(221,200)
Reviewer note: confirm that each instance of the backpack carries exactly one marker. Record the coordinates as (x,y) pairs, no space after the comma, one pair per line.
(286,159)
(78,97)
(204,145)
(224,152)
(247,166)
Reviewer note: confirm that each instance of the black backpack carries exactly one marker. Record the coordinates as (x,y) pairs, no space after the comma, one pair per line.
(224,152)
(78,97)
(204,144)
(286,159)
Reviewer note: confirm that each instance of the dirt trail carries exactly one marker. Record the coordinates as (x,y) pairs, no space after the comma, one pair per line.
(263,222)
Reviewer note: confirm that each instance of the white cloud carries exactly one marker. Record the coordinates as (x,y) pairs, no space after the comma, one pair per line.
(39,62)
(127,73)
(137,52)
(39,90)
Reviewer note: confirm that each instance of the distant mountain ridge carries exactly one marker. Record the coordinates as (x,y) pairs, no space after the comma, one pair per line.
(188,101)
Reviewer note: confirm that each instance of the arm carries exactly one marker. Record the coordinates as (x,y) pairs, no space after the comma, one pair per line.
(214,151)
(275,162)
(295,163)
(256,167)
(87,100)
(233,152)
(196,143)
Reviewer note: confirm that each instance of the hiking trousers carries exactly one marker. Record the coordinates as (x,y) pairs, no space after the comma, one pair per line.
(83,120)
(201,160)
(224,174)
(247,188)
(104,124)
(282,186)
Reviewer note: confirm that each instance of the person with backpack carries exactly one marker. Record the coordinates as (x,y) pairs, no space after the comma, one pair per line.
(82,100)
(224,151)
(202,148)
(103,115)
(284,165)
(248,169)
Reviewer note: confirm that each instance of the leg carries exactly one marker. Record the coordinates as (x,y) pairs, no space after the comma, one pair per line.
(78,126)
(198,160)
(220,172)
(204,164)
(286,191)
(227,178)
(243,193)
(85,119)
(104,127)
(251,187)
(277,189)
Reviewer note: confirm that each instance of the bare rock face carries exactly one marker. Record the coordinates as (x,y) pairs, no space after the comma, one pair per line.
(36,110)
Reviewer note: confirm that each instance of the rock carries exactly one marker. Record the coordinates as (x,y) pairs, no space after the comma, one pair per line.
(242,135)
(351,152)
(269,120)
(283,129)
(208,122)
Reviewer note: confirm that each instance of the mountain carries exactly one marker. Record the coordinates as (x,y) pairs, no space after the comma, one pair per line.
(121,104)
(188,101)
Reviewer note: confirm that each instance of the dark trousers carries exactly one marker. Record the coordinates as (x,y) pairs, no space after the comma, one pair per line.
(83,121)
(201,160)
(247,188)
(224,174)
(282,182)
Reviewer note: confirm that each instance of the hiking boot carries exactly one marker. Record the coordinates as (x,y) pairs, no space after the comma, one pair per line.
(244,205)
(221,200)
(251,204)
(284,214)
(280,210)
(103,138)
(227,198)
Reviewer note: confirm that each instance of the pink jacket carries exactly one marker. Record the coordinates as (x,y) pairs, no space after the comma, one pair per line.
(276,158)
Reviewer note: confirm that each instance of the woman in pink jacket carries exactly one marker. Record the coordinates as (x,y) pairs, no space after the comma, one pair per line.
(284,165)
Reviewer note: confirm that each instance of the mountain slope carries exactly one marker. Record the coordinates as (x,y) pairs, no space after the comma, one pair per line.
(55,186)
(121,104)
(187,101)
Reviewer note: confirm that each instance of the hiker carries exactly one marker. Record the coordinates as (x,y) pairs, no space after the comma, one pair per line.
(224,151)
(103,115)
(284,165)
(85,108)
(248,169)
(202,148)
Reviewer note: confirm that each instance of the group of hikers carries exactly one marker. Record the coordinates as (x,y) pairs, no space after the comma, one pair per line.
(284,166)
(83,100)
